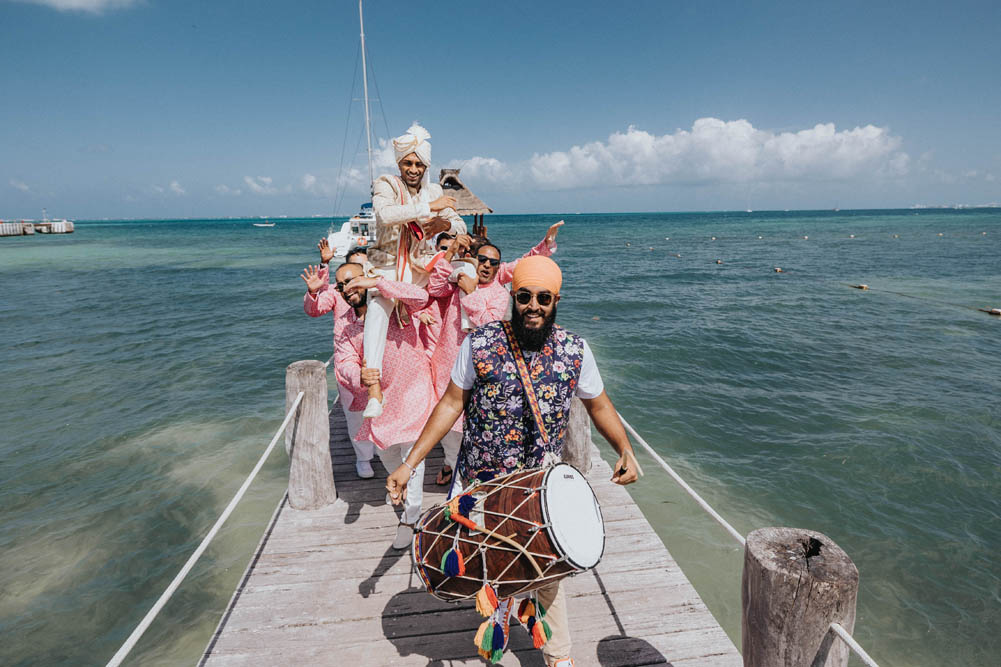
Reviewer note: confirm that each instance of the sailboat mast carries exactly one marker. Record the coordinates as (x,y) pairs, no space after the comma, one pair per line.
(368,122)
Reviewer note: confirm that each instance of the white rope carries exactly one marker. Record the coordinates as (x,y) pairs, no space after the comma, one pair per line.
(853,645)
(148,619)
(677,478)
(835,627)
(327,363)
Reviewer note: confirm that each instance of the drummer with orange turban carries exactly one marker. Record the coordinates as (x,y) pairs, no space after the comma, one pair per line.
(504,430)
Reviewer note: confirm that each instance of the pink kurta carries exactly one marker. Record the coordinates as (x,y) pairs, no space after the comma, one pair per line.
(488,303)
(406,371)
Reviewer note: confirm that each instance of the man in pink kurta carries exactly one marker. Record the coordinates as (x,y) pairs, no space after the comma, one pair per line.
(319,300)
(405,380)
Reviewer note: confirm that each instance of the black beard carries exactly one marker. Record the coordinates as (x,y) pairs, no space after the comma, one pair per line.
(532,339)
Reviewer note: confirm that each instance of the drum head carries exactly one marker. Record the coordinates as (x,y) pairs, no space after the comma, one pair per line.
(573,515)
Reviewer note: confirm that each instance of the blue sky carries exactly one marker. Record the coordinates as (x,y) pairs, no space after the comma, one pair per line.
(123,108)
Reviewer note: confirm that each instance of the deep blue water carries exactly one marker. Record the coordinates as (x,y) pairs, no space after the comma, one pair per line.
(143,371)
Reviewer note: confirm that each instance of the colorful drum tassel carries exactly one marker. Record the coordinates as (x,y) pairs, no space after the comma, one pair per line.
(540,633)
(487,639)
(466,504)
(486,600)
(452,563)
(526,611)
(480,632)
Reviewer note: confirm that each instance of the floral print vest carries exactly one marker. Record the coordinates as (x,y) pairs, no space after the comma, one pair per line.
(500,434)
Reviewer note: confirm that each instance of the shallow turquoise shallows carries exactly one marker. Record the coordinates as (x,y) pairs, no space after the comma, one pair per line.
(143,367)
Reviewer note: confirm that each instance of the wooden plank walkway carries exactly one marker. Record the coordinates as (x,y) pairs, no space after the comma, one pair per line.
(326,588)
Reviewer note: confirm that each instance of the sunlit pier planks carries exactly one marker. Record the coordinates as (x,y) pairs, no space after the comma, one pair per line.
(324,587)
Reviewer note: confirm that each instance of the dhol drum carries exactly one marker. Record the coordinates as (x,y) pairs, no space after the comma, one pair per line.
(516,532)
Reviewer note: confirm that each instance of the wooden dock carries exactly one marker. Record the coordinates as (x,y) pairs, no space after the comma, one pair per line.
(326,588)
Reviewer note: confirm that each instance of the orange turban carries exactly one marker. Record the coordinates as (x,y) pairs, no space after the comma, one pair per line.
(537,271)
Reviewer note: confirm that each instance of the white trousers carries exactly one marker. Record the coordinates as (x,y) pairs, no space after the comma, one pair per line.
(392,458)
(451,443)
(461,267)
(364,449)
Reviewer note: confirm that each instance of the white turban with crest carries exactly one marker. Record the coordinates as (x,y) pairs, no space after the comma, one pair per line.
(414,141)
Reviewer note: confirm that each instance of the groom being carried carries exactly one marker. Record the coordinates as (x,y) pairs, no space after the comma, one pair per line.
(409,212)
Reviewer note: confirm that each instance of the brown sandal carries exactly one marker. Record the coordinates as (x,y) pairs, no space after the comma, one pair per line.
(444,478)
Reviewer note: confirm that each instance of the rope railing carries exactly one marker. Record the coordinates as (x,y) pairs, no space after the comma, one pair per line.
(155,610)
(326,364)
(836,628)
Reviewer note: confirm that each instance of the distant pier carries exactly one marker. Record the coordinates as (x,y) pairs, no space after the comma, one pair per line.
(27,228)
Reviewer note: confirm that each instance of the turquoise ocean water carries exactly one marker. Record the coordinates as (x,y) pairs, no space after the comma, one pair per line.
(143,367)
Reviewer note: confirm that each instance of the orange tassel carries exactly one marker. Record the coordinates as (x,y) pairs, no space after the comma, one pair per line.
(526,611)
(539,637)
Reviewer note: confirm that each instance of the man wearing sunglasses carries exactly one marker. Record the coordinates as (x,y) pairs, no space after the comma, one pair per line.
(489,385)
(319,300)
(405,377)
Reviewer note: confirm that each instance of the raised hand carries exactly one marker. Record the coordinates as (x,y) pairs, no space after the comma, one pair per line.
(458,246)
(326,252)
(554,229)
(427,318)
(359,283)
(311,274)
(441,203)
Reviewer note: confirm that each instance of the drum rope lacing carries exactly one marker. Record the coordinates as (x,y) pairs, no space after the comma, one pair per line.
(480,547)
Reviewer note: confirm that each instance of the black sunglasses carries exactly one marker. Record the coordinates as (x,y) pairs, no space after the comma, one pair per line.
(524,297)
(340,286)
(492,261)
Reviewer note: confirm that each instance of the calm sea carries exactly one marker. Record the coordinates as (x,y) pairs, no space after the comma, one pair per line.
(143,367)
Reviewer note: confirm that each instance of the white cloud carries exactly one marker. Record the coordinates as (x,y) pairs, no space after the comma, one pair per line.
(157,189)
(226,190)
(91,6)
(176,188)
(716,151)
(19,185)
(484,169)
(264,185)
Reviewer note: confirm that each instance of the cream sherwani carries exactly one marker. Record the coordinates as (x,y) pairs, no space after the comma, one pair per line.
(395,207)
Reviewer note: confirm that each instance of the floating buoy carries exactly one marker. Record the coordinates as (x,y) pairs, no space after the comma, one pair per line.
(651,247)
(983,233)
(760,237)
(851,236)
(941,234)
(896,236)
(863,286)
(677,254)
(713,238)
(595,318)
(667,238)
(719,261)
(628,244)
(805,238)
(778,269)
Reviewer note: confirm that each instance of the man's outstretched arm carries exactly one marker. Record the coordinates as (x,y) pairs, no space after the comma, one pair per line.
(607,421)
(449,409)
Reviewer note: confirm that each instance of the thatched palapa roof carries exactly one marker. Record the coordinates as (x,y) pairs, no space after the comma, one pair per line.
(466,202)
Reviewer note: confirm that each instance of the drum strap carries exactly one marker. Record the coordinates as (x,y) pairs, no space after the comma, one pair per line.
(526,379)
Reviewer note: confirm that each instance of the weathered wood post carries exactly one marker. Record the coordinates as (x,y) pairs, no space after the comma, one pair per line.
(577,444)
(795,584)
(307,438)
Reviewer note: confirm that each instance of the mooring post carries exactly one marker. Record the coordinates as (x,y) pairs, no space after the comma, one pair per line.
(795,584)
(307,438)
(577,444)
